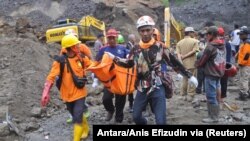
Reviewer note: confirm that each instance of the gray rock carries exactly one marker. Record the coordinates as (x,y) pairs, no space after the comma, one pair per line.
(3,110)
(247,119)
(46,133)
(36,112)
(32,126)
(238,116)
(4,129)
(41,130)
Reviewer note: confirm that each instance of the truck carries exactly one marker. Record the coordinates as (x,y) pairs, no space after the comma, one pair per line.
(173,30)
(87,29)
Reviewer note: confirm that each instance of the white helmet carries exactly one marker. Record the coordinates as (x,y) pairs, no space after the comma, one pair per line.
(145,20)
(189,29)
(71,31)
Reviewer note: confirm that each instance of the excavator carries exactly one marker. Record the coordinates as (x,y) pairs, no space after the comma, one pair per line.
(173,30)
(87,29)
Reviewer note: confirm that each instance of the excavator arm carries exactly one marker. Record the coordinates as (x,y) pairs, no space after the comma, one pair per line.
(172,28)
(89,22)
(87,29)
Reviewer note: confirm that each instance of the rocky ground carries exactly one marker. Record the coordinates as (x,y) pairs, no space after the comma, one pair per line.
(25,60)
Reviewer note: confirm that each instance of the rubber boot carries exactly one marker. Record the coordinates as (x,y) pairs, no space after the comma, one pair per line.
(85,126)
(213,114)
(215,109)
(78,130)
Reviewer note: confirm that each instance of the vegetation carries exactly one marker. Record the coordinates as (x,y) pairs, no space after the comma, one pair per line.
(177,2)
(166,3)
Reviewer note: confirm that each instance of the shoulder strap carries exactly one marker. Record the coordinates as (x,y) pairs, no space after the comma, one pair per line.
(82,56)
(69,67)
(60,59)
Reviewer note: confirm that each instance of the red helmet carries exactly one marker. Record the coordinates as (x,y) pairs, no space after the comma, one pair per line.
(221,31)
(231,70)
(112,33)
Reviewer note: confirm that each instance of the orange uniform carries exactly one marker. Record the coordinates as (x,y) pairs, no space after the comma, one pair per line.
(69,92)
(243,53)
(83,49)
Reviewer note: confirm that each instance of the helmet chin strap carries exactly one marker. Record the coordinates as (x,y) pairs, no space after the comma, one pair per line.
(75,51)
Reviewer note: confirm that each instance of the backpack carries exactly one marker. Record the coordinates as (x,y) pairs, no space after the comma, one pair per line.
(60,59)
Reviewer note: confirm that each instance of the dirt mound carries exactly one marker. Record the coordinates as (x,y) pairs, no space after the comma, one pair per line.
(25,61)
(123,15)
(224,12)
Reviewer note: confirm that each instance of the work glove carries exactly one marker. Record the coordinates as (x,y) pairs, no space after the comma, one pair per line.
(193,82)
(179,77)
(45,95)
(112,56)
(92,76)
(95,83)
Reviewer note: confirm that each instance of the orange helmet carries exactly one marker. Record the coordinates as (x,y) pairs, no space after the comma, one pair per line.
(231,70)
(157,34)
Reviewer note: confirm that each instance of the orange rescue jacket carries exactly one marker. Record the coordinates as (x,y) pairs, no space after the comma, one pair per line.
(68,91)
(244,54)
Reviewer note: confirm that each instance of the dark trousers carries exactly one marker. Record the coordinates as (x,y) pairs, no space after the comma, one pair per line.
(157,101)
(223,83)
(76,109)
(131,100)
(120,101)
(200,77)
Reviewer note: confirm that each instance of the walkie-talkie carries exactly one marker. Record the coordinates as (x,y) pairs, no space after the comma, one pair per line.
(246,56)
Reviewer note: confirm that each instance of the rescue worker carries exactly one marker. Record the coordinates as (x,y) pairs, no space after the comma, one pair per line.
(213,60)
(120,39)
(157,35)
(99,42)
(186,49)
(97,46)
(244,64)
(130,45)
(120,100)
(83,49)
(131,41)
(73,95)
(235,39)
(200,71)
(224,79)
(148,90)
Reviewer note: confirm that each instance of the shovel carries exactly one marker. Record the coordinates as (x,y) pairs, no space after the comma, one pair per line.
(232,107)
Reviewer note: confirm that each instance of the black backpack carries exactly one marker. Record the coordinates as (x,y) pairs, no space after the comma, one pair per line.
(60,59)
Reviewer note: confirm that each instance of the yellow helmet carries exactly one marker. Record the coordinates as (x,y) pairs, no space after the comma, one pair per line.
(69,41)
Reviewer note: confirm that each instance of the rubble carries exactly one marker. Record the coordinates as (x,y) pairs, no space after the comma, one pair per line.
(25,60)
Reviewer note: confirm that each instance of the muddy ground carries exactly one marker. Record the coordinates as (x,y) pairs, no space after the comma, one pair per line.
(25,60)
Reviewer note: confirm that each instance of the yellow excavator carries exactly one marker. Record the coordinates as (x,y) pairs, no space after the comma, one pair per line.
(173,30)
(87,29)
